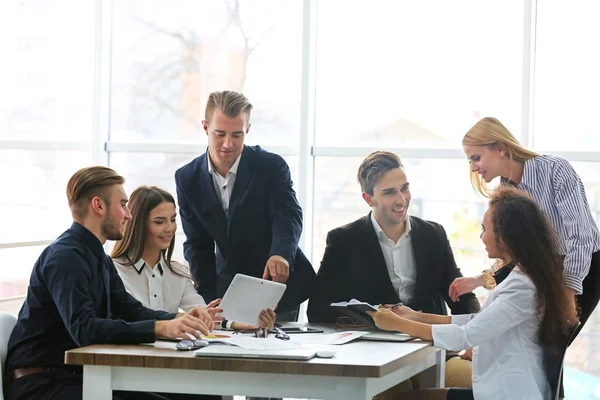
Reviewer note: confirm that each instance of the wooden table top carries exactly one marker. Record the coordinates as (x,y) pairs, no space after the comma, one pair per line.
(360,358)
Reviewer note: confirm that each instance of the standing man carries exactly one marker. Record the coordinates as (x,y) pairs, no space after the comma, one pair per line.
(76,298)
(239,211)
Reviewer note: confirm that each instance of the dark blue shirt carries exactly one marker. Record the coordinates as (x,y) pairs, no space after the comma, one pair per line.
(76,298)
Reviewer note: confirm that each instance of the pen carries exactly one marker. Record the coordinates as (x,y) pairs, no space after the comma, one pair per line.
(396,305)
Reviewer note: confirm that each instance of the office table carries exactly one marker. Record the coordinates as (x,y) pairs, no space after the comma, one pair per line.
(360,370)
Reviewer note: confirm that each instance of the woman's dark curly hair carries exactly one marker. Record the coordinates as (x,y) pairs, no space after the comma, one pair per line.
(522,229)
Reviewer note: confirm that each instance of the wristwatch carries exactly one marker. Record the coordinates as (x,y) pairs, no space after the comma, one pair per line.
(226,324)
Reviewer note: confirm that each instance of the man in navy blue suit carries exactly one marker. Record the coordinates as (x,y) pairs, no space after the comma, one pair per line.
(239,211)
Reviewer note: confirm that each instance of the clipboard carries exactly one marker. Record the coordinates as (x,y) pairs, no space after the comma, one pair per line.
(246,296)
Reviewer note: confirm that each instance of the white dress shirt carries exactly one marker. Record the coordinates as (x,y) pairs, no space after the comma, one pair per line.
(159,288)
(400,261)
(507,359)
(224,185)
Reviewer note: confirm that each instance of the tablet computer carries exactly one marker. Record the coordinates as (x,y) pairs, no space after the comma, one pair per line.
(246,296)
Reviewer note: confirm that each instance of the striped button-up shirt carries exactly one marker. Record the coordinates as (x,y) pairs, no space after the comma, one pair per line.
(557,188)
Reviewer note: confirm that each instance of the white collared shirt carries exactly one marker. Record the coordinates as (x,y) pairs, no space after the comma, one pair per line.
(507,359)
(400,260)
(159,288)
(224,185)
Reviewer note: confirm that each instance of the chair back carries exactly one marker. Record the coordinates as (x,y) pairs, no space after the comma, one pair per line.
(553,363)
(7,323)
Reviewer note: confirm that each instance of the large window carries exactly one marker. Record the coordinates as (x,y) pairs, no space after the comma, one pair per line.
(46,122)
(47,74)
(416,73)
(567,79)
(167,59)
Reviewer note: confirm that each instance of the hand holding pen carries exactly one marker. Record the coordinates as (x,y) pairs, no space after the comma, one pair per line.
(400,310)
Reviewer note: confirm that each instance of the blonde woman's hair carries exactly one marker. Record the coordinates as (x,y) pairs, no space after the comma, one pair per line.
(490,132)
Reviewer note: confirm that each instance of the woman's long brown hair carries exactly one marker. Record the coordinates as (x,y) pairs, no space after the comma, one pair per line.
(143,200)
(522,228)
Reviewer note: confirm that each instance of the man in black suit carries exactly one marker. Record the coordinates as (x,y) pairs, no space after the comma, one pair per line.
(388,257)
(240,199)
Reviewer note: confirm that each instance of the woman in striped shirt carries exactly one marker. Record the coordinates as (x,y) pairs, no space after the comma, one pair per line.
(494,152)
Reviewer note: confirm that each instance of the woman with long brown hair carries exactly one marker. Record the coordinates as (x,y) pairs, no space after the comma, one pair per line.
(523,316)
(143,257)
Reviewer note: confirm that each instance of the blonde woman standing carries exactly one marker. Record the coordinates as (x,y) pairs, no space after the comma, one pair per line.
(494,152)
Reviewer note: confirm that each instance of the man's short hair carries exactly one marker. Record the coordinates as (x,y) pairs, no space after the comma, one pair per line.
(374,167)
(230,102)
(88,183)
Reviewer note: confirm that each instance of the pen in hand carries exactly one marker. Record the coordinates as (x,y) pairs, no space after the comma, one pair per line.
(392,306)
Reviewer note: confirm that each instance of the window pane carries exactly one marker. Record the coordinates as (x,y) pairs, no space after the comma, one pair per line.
(441,192)
(35,206)
(413,77)
(567,80)
(16,269)
(159,90)
(47,87)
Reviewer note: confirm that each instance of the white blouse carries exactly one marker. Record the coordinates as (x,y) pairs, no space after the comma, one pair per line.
(159,288)
(507,358)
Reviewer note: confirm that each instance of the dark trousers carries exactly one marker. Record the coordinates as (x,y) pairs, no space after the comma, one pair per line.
(460,394)
(61,384)
(588,300)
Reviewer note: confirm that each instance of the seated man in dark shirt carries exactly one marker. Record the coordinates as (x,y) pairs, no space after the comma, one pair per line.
(76,298)
(389,257)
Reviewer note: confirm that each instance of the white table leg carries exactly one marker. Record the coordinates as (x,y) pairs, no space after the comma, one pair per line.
(435,376)
(97,382)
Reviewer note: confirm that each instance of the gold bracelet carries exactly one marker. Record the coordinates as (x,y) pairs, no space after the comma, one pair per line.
(490,282)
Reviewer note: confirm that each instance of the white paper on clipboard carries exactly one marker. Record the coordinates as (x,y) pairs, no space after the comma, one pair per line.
(246,296)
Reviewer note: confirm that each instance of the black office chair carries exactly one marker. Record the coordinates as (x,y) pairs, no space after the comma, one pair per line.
(553,364)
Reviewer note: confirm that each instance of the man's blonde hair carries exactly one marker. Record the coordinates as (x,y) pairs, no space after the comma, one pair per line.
(490,132)
(88,183)
(230,102)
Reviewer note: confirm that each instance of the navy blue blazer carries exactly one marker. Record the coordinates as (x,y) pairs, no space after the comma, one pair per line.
(264,219)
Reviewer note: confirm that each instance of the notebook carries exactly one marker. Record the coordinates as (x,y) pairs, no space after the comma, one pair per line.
(238,352)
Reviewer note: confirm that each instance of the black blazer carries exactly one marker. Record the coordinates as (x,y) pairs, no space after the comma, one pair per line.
(264,219)
(353,266)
